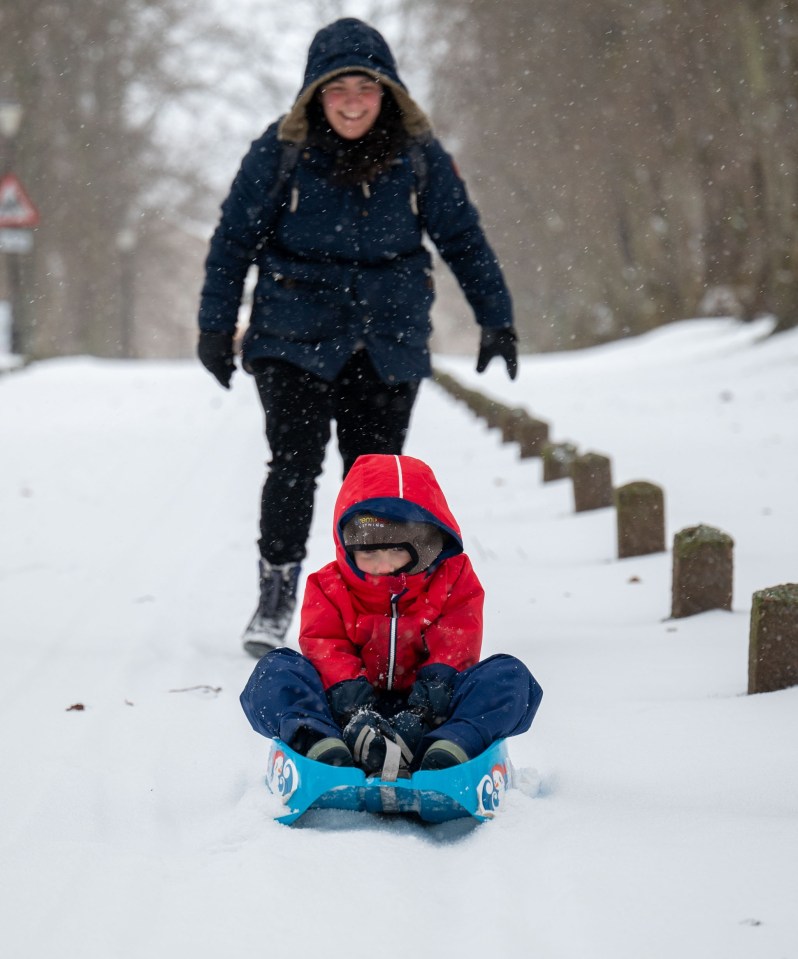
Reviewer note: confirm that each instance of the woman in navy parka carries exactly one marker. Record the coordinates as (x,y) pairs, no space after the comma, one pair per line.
(331,204)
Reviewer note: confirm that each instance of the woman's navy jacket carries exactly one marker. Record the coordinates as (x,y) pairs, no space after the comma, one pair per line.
(344,267)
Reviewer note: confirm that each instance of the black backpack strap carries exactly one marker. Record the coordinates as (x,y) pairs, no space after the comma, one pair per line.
(289,157)
(420,167)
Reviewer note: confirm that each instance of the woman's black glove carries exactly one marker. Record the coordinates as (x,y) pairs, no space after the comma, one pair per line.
(431,694)
(349,697)
(215,351)
(498,342)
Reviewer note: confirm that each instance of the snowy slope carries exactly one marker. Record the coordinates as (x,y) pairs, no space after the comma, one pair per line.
(667,818)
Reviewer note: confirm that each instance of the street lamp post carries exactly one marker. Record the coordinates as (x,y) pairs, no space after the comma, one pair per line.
(126,242)
(10,119)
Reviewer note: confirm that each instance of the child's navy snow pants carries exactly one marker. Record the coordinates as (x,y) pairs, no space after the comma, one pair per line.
(497,697)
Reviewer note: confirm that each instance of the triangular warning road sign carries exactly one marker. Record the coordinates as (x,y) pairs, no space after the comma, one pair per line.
(16,209)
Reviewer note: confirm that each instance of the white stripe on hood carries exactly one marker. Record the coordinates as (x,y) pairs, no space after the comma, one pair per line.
(400,477)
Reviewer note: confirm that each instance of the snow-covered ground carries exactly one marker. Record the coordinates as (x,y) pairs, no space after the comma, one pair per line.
(666,822)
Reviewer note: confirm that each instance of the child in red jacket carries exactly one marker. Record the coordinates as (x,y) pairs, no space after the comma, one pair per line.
(391,632)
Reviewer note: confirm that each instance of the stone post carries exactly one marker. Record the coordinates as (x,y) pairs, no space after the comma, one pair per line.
(511,423)
(532,437)
(473,399)
(557,459)
(773,643)
(640,517)
(494,413)
(702,571)
(478,404)
(448,383)
(591,474)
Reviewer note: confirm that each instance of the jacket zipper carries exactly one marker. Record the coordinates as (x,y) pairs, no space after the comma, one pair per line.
(394,632)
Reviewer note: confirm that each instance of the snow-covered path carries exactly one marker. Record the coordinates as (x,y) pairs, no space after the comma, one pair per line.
(667,818)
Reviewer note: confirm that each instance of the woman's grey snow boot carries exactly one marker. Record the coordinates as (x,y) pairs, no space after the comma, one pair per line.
(270,622)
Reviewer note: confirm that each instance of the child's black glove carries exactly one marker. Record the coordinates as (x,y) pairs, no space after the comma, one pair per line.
(431,694)
(498,342)
(349,697)
(409,729)
(375,746)
(215,351)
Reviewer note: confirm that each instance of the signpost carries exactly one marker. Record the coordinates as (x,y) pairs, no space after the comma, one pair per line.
(16,208)
(16,241)
(18,217)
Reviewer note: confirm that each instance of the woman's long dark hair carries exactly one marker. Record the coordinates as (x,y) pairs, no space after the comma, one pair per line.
(358,161)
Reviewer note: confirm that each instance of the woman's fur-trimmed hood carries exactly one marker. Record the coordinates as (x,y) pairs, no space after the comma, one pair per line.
(350,46)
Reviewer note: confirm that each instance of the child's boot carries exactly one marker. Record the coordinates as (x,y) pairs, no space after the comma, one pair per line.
(270,622)
(320,748)
(443,754)
(332,751)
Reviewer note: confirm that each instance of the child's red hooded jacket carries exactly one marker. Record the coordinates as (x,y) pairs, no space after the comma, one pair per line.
(386,628)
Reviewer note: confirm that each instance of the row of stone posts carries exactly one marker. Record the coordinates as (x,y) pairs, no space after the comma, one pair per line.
(702,555)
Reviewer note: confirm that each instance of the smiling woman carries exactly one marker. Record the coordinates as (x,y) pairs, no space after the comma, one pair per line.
(352,104)
(331,204)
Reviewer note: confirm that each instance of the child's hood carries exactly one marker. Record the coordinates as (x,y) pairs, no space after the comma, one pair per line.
(399,488)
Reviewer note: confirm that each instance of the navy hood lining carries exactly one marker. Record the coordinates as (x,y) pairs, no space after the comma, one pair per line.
(403,511)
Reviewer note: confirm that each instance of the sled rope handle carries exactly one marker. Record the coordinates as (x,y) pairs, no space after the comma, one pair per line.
(393,759)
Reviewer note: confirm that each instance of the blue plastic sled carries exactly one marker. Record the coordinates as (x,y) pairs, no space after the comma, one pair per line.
(475,788)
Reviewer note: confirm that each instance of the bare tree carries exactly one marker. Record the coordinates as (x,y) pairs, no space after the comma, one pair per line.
(85,160)
(635,163)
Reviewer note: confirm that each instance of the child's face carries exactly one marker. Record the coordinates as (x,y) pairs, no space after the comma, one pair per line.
(381,562)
